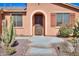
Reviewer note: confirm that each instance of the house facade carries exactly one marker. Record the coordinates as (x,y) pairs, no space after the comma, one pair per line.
(40,18)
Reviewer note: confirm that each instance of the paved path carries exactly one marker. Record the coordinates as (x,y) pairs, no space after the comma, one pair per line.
(35,51)
(41,46)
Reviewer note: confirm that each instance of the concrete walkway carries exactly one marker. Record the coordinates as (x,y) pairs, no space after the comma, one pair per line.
(43,46)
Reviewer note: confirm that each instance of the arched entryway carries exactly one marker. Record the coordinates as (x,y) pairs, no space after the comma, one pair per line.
(38,21)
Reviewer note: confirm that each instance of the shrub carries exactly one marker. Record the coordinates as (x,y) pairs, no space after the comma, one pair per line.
(64,31)
(10,50)
(76,29)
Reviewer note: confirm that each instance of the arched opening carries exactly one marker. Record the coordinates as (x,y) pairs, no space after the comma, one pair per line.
(38,21)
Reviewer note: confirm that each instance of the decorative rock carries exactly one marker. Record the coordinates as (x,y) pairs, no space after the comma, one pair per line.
(68,46)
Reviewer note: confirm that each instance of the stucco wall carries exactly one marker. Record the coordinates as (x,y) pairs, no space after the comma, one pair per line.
(47,9)
(19,30)
(44,8)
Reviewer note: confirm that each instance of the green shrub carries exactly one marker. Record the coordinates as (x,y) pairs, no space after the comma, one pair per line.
(76,29)
(64,31)
(76,33)
(10,50)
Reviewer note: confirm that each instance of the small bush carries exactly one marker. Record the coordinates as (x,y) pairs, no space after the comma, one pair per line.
(64,31)
(76,31)
(10,50)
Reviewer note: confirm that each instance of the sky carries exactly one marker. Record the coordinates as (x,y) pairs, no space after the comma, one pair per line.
(12,4)
(23,4)
(75,4)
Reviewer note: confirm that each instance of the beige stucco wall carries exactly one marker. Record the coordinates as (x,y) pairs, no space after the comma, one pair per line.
(19,30)
(44,8)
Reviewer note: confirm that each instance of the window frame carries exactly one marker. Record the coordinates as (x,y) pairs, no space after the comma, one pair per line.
(62,21)
(17,21)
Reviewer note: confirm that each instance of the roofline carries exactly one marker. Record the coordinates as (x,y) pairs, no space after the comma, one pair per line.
(14,10)
(25,10)
(70,5)
(7,11)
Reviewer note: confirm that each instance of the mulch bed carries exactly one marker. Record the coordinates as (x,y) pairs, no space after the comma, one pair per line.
(21,48)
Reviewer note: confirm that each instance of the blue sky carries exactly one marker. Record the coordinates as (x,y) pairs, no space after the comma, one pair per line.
(76,4)
(23,4)
(12,4)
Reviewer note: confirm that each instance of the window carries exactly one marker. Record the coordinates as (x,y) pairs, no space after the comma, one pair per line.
(17,20)
(3,17)
(62,18)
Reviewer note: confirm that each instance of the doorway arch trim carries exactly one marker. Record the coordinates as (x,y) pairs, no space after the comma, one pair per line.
(41,11)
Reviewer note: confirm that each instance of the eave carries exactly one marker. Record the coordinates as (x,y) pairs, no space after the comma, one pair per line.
(14,10)
(69,6)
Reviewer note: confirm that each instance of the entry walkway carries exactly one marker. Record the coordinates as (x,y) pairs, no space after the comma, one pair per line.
(43,46)
(40,46)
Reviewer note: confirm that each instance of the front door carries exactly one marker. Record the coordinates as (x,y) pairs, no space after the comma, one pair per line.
(39,24)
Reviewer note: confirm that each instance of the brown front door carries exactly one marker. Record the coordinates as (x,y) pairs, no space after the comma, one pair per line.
(39,24)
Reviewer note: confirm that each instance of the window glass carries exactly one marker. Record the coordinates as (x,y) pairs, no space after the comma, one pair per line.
(59,19)
(62,18)
(17,20)
(66,18)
